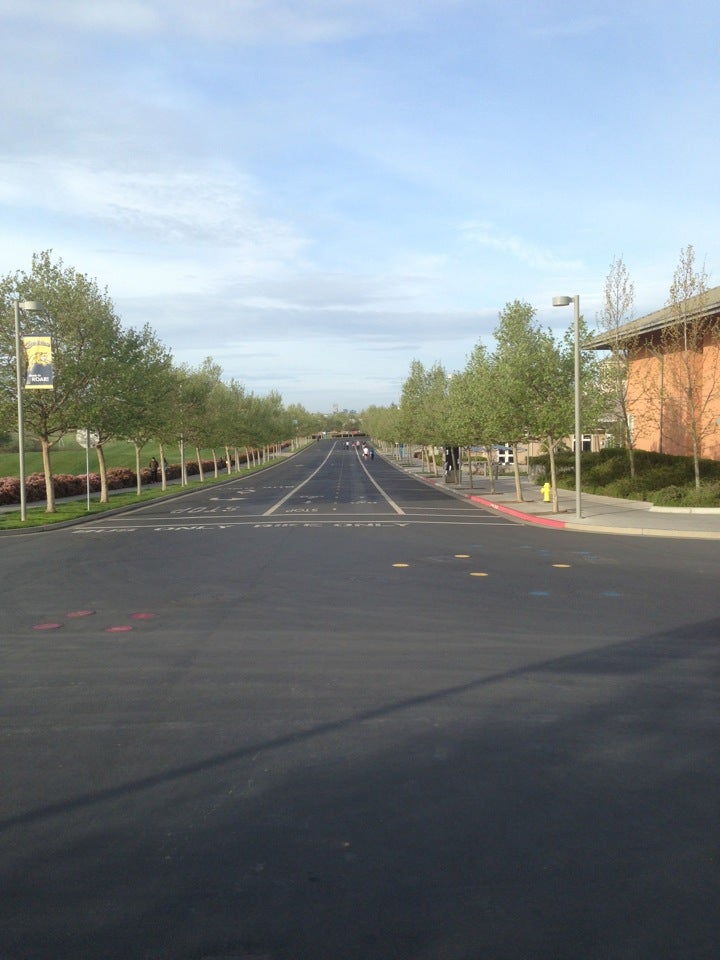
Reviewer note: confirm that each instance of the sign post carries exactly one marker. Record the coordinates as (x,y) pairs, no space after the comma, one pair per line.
(87,439)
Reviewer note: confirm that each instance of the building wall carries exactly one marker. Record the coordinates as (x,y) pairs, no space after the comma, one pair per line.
(656,392)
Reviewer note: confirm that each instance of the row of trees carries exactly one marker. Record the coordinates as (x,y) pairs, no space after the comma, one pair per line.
(122,383)
(523,389)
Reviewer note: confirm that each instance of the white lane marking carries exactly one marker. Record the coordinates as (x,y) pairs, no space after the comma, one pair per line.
(157,526)
(380,490)
(399,510)
(294,490)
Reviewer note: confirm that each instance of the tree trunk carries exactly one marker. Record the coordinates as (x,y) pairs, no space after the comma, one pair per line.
(138,478)
(470,465)
(103,473)
(489,458)
(163,472)
(183,465)
(200,466)
(516,469)
(696,456)
(49,487)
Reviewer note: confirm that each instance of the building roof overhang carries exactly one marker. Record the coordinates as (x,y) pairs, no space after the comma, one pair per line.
(695,308)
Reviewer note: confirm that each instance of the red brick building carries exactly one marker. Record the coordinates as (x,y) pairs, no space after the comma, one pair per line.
(673,380)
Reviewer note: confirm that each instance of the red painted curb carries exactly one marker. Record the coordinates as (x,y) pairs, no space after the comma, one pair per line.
(500,508)
(542,521)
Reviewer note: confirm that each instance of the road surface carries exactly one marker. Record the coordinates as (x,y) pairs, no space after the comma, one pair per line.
(326,712)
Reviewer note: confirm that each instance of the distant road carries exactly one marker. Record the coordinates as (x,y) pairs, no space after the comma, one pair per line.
(327,712)
(324,484)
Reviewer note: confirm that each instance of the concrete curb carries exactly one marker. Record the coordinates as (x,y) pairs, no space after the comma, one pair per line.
(498,507)
(644,532)
(572,526)
(518,514)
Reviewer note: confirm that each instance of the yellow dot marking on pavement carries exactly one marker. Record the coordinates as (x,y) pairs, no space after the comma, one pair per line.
(401,564)
(562,566)
(462,556)
(478,574)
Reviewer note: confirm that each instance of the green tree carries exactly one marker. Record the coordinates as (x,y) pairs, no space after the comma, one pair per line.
(147,410)
(187,412)
(303,423)
(131,382)
(383,425)
(274,422)
(534,382)
(423,405)
(80,318)
(516,368)
(554,385)
(471,408)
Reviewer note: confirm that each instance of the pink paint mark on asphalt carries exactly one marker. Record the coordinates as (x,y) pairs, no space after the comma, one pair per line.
(117,629)
(47,626)
(80,613)
(142,616)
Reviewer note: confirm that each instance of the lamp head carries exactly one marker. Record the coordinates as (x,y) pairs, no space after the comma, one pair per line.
(30,306)
(562,301)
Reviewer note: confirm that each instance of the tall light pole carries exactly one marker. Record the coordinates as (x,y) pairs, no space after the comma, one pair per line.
(564,302)
(28,306)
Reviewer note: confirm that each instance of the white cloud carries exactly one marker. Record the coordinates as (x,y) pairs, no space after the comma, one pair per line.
(201,213)
(330,179)
(486,235)
(247,21)
(109,15)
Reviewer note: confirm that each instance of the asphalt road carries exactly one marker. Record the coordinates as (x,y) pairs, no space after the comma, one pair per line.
(328,712)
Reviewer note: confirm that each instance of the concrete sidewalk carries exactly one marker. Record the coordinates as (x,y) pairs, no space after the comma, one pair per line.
(599,514)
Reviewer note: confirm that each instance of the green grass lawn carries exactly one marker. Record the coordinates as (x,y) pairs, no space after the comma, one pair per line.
(73,509)
(70,457)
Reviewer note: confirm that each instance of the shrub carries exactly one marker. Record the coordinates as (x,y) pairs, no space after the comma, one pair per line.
(671,496)
(67,485)
(120,477)
(9,490)
(707,496)
(34,488)
(94,479)
(667,475)
(688,496)
(625,488)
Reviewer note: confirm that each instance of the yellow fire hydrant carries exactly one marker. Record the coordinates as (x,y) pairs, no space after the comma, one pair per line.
(546,492)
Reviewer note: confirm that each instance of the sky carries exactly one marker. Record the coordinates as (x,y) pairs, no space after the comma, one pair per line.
(315,193)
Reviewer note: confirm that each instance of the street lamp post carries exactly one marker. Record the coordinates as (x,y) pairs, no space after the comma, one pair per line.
(564,302)
(28,306)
